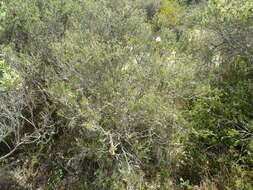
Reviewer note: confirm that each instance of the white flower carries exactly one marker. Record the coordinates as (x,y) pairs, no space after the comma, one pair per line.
(158,39)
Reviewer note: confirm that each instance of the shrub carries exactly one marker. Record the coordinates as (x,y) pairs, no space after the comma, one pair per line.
(221,119)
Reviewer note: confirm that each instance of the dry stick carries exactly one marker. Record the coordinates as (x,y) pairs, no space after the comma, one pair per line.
(11,152)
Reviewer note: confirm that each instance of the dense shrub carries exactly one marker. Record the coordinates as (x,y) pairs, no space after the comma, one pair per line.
(221,119)
(127,94)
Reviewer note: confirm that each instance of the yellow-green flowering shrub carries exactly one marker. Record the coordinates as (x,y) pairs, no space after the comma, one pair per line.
(169,15)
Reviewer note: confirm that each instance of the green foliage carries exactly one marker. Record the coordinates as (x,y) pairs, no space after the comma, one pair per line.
(169,16)
(9,79)
(228,11)
(220,119)
(129,94)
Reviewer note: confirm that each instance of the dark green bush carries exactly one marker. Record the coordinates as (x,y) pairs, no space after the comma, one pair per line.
(221,118)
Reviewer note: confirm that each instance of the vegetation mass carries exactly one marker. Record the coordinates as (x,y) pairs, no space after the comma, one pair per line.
(126,95)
